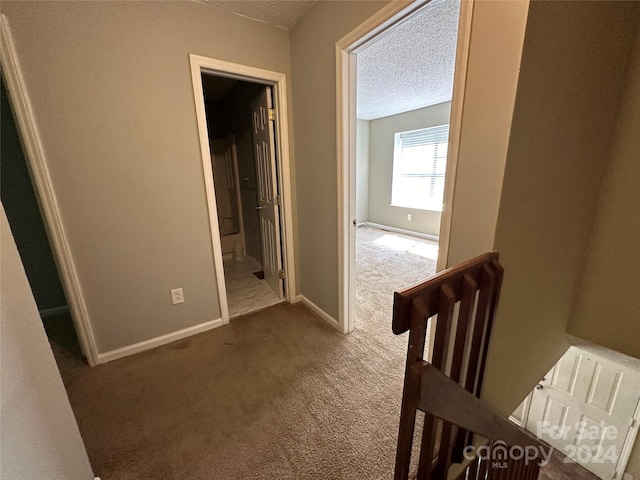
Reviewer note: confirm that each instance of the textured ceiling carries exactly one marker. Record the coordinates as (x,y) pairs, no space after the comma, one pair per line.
(283,13)
(411,66)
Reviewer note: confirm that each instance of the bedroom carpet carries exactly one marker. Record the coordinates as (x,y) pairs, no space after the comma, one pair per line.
(386,262)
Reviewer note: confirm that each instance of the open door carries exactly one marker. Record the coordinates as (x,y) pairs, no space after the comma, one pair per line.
(268,199)
(586,407)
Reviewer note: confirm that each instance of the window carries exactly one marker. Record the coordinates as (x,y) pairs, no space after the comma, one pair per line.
(419,165)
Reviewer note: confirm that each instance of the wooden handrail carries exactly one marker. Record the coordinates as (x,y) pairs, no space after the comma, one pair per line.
(458,305)
(429,291)
(446,399)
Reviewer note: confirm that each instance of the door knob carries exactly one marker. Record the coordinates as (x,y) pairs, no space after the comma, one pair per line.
(257,207)
(539,387)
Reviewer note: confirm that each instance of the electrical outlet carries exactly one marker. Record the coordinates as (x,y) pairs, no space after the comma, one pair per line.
(177,296)
(409,216)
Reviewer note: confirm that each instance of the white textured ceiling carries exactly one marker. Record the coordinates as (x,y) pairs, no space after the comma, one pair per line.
(411,66)
(283,13)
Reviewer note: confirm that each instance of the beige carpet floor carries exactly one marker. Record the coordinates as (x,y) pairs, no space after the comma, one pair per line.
(386,262)
(274,395)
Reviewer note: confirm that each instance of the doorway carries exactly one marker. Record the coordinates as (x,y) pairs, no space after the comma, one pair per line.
(21,205)
(43,186)
(587,407)
(242,121)
(414,227)
(248,218)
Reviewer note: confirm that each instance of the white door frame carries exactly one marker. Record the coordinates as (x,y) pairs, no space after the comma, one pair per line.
(37,164)
(278,82)
(346,91)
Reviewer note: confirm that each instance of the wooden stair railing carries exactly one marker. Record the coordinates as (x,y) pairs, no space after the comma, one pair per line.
(511,454)
(461,301)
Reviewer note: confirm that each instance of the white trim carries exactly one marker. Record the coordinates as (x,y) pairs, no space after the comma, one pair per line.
(205,153)
(522,421)
(158,341)
(411,233)
(455,128)
(346,47)
(318,311)
(627,446)
(37,163)
(278,81)
(49,312)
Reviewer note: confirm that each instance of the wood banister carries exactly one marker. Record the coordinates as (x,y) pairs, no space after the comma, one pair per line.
(446,399)
(429,291)
(458,305)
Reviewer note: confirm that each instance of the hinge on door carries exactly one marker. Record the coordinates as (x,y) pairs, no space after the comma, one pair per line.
(281,275)
(272,114)
(277,199)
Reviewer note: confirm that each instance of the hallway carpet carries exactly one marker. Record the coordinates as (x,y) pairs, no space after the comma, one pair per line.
(274,395)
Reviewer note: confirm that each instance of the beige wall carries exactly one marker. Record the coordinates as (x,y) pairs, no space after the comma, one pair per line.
(39,437)
(573,67)
(362,170)
(497,37)
(492,76)
(110,85)
(607,304)
(313,62)
(381,147)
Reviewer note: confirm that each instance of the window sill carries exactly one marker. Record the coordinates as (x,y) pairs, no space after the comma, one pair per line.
(434,210)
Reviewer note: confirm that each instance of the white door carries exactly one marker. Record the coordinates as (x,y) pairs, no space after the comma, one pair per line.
(584,407)
(268,200)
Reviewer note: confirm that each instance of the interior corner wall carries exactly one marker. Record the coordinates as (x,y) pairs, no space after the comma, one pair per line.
(607,305)
(39,437)
(381,147)
(111,89)
(497,36)
(313,64)
(362,170)
(572,72)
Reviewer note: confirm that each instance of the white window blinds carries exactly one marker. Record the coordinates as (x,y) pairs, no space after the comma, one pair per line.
(419,167)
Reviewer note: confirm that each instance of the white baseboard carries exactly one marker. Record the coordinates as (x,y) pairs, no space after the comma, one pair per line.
(49,312)
(158,341)
(318,311)
(401,230)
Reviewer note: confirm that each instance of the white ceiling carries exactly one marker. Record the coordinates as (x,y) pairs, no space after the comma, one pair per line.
(411,66)
(283,13)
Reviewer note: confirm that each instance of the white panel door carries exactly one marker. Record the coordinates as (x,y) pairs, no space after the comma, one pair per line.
(268,204)
(584,408)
